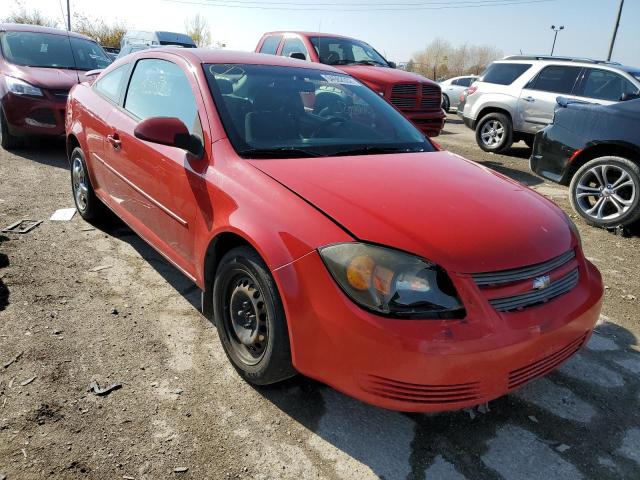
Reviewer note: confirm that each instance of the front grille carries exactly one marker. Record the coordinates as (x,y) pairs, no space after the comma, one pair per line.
(60,94)
(543,366)
(418,393)
(403,102)
(43,115)
(431,97)
(405,89)
(524,273)
(534,297)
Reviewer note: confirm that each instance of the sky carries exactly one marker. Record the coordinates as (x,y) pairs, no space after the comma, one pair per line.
(396,28)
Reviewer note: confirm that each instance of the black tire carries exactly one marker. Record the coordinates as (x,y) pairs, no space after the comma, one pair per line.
(585,181)
(446,103)
(7,141)
(503,129)
(89,207)
(243,281)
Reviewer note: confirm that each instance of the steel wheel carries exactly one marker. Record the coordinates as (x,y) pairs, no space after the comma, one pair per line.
(79,183)
(492,133)
(245,322)
(605,192)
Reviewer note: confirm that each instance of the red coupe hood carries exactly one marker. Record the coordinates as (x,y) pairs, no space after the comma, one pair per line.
(50,78)
(382,75)
(454,212)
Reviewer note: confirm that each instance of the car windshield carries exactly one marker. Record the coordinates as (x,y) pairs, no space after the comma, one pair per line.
(275,112)
(52,51)
(345,51)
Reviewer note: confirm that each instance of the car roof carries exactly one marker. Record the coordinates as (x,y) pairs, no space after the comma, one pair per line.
(20,27)
(207,55)
(582,62)
(310,34)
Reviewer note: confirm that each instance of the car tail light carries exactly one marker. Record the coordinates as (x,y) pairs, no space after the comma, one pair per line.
(472,89)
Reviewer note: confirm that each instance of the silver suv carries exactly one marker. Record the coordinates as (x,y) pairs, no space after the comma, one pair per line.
(515,97)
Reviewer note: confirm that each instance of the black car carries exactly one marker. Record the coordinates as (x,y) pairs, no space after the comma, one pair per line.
(595,150)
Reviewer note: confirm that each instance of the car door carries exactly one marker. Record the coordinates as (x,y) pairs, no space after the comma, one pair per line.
(537,101)
(109,89)
(602,86)
(157,195)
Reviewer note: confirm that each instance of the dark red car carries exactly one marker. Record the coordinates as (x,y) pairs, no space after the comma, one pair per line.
(328,235)
(38,67)
(418,98)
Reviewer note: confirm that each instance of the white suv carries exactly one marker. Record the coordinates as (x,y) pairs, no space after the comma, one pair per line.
(515,97)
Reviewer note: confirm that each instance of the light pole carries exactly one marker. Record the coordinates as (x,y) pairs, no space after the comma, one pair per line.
(615,30)
(68,15)
(555,35)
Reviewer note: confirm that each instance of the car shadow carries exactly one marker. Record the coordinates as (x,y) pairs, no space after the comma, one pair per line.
(47,151)
(581,421)
(517,175)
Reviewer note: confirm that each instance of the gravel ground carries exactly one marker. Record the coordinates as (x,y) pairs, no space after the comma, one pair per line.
(80,304)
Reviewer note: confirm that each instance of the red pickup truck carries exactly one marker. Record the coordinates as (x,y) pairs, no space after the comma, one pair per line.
(417,97)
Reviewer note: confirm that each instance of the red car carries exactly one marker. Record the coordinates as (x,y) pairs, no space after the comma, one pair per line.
(327,234)
(38,67)
(418,98)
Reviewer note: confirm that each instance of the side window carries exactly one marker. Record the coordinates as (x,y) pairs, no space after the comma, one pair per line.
(109,85)
(605,85)
(159,88)
(270,44)
(556,79)
(456,81)
(504,73)
(465,82)
(293,45)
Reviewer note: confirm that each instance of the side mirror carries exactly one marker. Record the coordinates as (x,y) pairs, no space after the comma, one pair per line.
(298,55)
(392,64)
(629,96)
(169,131)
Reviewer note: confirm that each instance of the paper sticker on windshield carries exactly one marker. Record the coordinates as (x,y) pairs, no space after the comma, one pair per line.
(341,79)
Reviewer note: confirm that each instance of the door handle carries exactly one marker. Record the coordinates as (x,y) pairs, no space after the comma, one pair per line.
(529,99)
(115,141)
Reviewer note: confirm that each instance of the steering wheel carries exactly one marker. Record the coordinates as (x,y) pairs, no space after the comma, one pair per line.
(327,123)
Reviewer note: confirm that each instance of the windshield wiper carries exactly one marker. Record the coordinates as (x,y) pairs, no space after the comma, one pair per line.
(279,152)
(375,150)
(368,62)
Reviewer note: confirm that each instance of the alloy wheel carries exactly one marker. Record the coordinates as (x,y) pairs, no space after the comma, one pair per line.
(245,321)
(80,188)
(492,133)
(605,192)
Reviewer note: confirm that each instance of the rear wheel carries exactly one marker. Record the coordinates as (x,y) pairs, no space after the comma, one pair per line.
(7,141)
(446,103)
(250,318)
(87,204)
(494,132)
(606,192)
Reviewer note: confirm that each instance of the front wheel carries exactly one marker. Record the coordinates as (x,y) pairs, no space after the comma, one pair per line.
(250,318)
(446,103)
(494,133)
(606,192)
(7,141)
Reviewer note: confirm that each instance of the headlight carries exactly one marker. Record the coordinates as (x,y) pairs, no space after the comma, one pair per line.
(20,87)
(392,283)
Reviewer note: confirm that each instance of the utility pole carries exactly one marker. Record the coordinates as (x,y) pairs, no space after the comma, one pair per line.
(68,15)
(615,31)
(555,36)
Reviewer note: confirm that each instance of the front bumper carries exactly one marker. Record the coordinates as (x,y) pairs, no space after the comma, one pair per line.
(430,123)
(429,365)
(34,115)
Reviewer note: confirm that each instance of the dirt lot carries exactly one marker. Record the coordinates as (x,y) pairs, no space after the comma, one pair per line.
(79,303)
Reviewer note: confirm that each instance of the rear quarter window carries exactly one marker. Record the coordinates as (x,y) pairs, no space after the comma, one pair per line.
(504,73)
(270,44)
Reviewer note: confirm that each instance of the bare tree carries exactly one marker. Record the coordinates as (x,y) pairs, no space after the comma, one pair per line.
(20,14)
(440,60)
(108,35)
(197,28)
